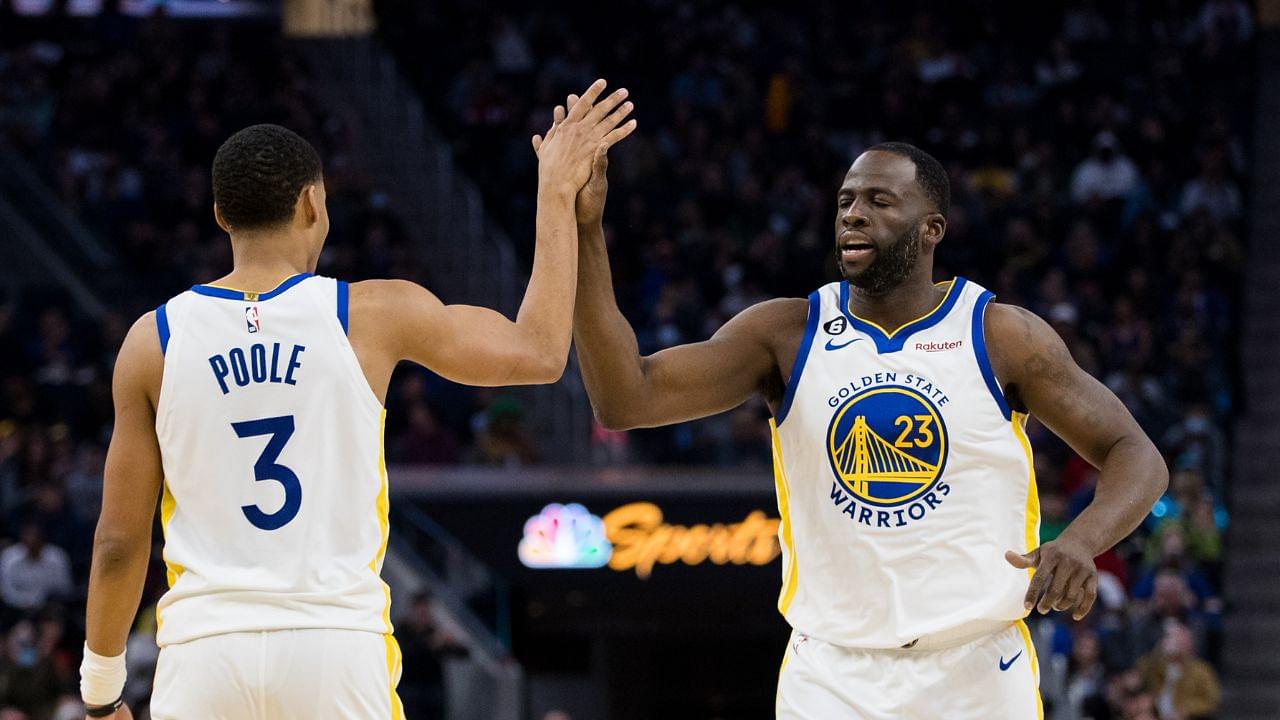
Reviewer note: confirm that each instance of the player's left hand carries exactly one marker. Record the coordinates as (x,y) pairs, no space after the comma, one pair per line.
(589,205)
(1066,578)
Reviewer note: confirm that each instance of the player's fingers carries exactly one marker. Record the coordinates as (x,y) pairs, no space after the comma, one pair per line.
(600,163)
(1090,595)
(1072,589)
(617,134)
(615,118)
(583,106)
(571,100)
(537,142)
(1039,583)
(1022,562)
(606,106)
(1057,576)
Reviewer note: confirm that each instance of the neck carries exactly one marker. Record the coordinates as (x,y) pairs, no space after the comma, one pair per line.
(913,298)
(261,260)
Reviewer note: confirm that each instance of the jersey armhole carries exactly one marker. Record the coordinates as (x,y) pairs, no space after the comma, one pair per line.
(802,355)
(980,352)
(343,296)
(162,328)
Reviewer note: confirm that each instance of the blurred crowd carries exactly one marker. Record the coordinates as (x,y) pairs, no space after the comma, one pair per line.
(1097,157)
(122,117)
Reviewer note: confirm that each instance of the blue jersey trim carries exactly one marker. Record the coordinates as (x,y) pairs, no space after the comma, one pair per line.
(896,340)
(230,294)
(342,305)
(984,360)
(162,328)
(802,355)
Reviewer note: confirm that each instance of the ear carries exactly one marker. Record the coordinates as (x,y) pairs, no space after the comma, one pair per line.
(309,205)
(935,226)
(222,222)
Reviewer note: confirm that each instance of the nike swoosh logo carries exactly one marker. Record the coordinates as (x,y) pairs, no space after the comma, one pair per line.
(1006,665)
(832,346)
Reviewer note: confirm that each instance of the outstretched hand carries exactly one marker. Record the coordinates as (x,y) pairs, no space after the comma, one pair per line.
(579,136)
(590,200)
(1065,577)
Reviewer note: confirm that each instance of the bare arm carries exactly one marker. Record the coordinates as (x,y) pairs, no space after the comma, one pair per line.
(1041,377)
(679,383)
(478,346)
(130,485)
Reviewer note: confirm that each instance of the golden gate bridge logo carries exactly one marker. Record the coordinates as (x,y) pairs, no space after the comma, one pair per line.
(887,445)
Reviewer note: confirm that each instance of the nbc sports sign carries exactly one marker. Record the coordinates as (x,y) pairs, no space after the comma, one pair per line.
(635,537)
(564,536)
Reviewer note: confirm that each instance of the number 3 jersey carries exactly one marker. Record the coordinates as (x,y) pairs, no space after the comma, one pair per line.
(902,478)
(274,505)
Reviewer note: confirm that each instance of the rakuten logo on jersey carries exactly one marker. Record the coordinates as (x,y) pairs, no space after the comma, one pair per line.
(939,346)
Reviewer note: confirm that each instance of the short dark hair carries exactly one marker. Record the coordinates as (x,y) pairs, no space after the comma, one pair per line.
(258,173)
(930,174)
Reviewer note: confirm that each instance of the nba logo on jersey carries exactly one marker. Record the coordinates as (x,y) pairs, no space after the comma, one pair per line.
(251,319)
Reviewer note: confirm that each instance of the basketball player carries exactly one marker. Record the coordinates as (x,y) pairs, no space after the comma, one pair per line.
(906,486)
(255,404)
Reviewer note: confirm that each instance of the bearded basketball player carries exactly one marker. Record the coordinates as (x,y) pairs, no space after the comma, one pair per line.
(905,482)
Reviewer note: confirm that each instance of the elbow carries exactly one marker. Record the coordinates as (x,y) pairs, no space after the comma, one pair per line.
(548,368)
(113,551)
(612,417)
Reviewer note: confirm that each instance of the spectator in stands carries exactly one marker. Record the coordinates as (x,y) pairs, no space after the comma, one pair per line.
(425,646)
(34,572)
(28,680)
(1107,174)
(1183,685)
(501,437)
(1086,689)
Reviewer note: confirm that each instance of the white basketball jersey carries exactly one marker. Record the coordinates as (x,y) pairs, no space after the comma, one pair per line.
(275,493)
(902,478)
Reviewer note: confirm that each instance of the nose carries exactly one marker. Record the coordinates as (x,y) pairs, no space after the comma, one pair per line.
(853,217)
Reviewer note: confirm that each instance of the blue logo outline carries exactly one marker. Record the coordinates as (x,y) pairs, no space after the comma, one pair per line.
(940,429)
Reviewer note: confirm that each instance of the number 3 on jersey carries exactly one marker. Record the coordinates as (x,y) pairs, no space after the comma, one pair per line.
(266,468)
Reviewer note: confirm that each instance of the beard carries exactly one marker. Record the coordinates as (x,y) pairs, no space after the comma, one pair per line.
(890,268)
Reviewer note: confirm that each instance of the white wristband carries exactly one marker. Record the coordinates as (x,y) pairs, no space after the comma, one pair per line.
(101,678)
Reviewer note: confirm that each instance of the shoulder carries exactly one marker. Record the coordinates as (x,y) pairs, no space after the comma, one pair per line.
(1018,332)
(387,294)
(1020,342)
(140,363)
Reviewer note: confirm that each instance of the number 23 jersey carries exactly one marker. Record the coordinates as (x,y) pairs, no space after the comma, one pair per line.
(902,477)
(274,504)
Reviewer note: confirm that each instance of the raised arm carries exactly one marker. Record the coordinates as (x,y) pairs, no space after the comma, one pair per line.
(478,346)
(130,485)
(680,383)
(1040,377)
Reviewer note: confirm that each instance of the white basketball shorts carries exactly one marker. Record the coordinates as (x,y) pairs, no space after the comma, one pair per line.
(279,675)
(995,677)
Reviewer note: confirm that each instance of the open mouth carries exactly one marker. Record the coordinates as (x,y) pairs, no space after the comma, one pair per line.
(855,247)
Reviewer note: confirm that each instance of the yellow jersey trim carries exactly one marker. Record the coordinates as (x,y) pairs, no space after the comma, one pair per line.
(1035,665)
(172,570)
(790,573)
(394,668)
(1032,510)
(384,519)
(951,286)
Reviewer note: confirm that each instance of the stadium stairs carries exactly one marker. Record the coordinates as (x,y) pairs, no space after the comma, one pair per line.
(1252,652)
(470,259)
(44,246)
